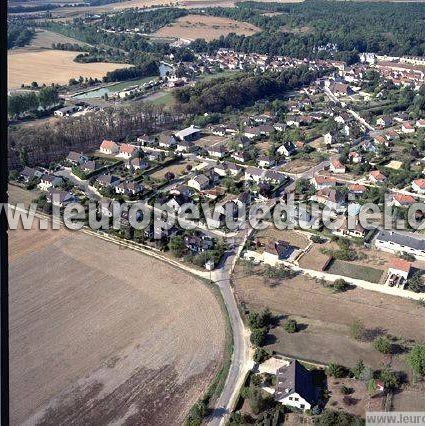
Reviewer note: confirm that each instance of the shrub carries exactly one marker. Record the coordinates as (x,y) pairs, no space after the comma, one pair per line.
(291,326)
(382,344)
(335,370)
(357,330)
(261,355)
(339,285)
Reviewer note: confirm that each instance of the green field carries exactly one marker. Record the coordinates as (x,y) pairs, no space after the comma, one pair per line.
(358,272)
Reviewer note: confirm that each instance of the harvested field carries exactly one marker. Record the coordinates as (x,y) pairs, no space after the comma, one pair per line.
(208,27)
(51,66)
(101,335)
(325,318)
(43,39)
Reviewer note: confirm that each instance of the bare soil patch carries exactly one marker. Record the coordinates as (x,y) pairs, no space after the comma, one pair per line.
(211,140)
(294,238)
(208,27)
(100,334)
(176,168)
(298,166)
(51,66)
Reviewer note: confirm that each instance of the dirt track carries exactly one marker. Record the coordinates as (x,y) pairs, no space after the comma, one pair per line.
(99,334)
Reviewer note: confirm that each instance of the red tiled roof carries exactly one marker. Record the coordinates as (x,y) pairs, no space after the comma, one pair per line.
(400,264)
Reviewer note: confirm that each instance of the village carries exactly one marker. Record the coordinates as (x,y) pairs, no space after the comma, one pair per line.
(341,139)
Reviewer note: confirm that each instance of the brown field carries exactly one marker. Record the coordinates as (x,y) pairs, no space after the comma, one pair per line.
(294,238)
(43,39)
(176,168)
(101,335)
(298,166)
(211,140)
(51,66)
(325,318)
(207,27)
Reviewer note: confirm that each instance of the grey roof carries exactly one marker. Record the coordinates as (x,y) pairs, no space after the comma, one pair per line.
(28,172)
(187,132)
(295,378)
(403,239)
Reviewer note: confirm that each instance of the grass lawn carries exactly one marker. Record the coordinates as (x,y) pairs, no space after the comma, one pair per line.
(359,272)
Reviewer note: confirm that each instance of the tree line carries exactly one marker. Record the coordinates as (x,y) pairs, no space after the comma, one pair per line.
(22,103)
(18,34)
(145,70)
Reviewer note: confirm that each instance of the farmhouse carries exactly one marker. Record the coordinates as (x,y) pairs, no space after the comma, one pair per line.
(108,147)
(295,387)
(398,242)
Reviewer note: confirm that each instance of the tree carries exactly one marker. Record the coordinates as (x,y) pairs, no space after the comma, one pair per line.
(339,285)
(357,330)
(358,369)
(382,344)
(261,355)
(258,336)
(291,326)
(389,378)
(371,386)
(256,400)
(169,176)
(335,370)
(416,360)
(415,282)
(177,245)
(259,319)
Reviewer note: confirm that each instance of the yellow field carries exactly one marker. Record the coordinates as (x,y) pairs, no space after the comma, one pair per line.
(208,27)
(51,66)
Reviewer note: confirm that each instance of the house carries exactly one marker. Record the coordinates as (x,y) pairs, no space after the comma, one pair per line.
(356,189)
(280,127)
(231,129)
(418,185)
(227,169)
(330,138)
(254,173)
(381,140)
(265,161)
(276,251)
(108,180)
(185,146)
(89,166)
(355,157)
(167,142)
(332,198)
(252,132)
(407,128)
(350,229)
(341,89)
(376,176)
(189,134)
(108,147)
(127,151)
(398,272)
(337,167)
(199,182)
(295,386)
(49,181)
(76,158)
(420,123)
(178,200)
(287,149)
(217,151)
(28,173)
(65,111)
(402,200)
(274,177)
(239,156)
(155,156)
(243,142)
(137,163)
(384,121)
(398,242)
(344,118)
(321,182)
(146,140)
(129,188)
(198,243)
(59,198)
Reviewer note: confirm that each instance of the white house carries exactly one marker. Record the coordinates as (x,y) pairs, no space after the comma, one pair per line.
(127,151)
(398,272)
(199,182)
(108,147)
(418,185)
(218,151)
(406,127)
(398,242)
(295,386)
(49,181)
(265,161)
(337,167)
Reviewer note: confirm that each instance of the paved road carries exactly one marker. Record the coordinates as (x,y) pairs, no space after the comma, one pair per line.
(241,358)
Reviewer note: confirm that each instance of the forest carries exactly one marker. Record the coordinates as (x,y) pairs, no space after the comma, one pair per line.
(31,101)
(149,68)
(385,28)
(18,34)
(241,90)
